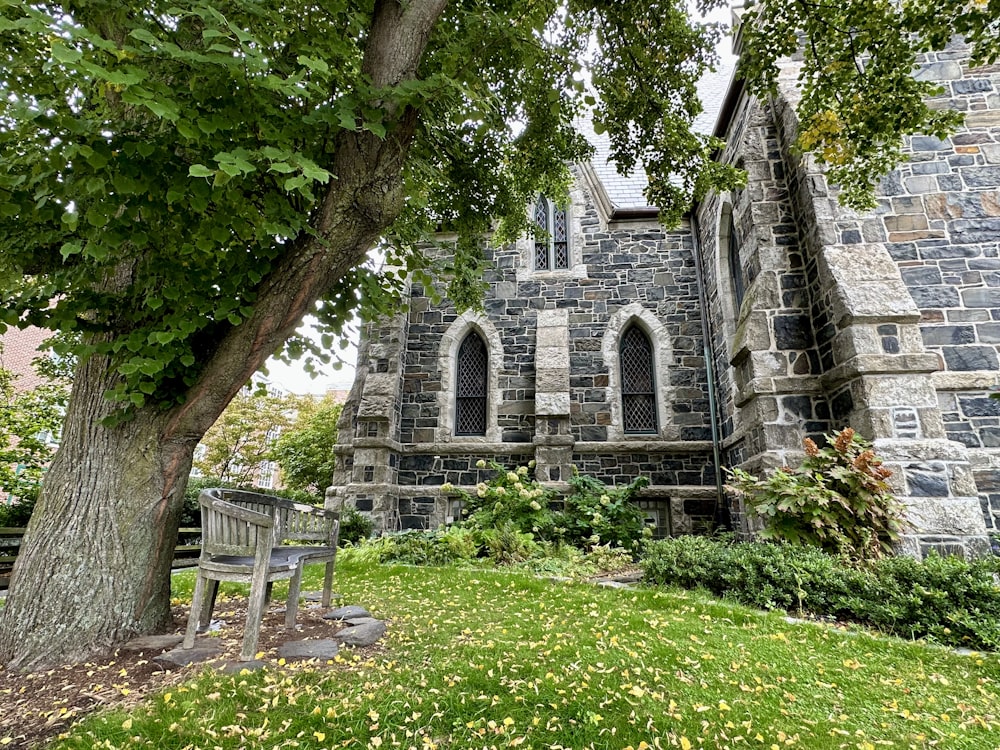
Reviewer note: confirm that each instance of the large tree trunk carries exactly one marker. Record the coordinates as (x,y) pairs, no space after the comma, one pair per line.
(94,569)
(95,565)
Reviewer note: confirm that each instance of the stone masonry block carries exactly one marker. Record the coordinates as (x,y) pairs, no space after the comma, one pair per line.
(552,358)
(552,380)
(551,404)
(960,516)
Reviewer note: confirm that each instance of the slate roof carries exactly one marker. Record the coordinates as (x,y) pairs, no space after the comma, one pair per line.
(626,191)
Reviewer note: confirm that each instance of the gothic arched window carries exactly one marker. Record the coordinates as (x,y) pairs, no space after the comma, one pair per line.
(472,370)
(638,382)
(552,243)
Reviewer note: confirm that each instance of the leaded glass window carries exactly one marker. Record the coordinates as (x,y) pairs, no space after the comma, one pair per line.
(471,386)
(638,382)
(552,242)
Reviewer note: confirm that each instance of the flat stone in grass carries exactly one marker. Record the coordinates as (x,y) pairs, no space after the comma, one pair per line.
(237,667)
(317,596)
(361,635)
(319,649)
(154,642)
(345,613)
(360,620)
(181,657)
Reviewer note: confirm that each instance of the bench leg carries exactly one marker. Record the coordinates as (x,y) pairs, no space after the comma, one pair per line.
(328,585)
(197,604)
(255,613)
(206,612)
(292,606)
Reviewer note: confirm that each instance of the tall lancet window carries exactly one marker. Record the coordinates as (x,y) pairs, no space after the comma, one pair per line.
(472,378)
(552,244)
(638,382)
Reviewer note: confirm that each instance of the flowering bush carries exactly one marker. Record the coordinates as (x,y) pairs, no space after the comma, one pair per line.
(594,514)
(837,499)
(509,500)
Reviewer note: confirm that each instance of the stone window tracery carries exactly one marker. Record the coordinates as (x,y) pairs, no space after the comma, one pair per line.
(472,378)
(638,382)
(551,248)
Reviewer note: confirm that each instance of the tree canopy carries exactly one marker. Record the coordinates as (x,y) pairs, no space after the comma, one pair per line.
(243,436)
(859,93)
(29,421)
(164,162)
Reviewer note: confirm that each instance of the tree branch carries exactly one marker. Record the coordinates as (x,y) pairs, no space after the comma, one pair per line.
(364,196)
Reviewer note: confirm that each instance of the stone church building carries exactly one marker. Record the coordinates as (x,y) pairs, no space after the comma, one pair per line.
(772,313)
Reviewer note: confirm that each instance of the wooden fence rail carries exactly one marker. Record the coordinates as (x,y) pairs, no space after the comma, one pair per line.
(185,553)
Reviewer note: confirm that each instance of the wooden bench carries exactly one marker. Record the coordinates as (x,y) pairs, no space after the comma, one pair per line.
(245,538)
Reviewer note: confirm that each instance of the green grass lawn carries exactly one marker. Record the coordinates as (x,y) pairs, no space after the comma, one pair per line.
(482,659)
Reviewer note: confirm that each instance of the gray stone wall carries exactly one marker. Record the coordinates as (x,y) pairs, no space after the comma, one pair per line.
(553,340)
(890,316)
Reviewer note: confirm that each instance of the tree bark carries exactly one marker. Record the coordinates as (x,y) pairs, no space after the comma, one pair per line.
(95,563)
(94,568)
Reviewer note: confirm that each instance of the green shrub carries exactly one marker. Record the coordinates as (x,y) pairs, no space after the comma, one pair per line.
(436,547)
(946,599)
(837,500)
(608,559)
(594,514)
(18,513)
(354,526)
(507,545)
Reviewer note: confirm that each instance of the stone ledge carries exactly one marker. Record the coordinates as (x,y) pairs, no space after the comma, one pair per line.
(880,364)
(976,380)
(466,446)
(644,446)
(800,385)
(371,442)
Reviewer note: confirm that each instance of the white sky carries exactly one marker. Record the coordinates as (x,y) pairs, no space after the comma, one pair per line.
(295,380)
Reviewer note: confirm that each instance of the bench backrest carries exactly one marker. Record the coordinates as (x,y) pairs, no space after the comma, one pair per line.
(237,522)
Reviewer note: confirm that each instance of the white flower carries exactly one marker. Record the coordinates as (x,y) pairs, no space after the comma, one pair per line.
(447,487)
(531,464)
(481,489)
(511,476)
(501,491)
(522,471)
(535,505)
(605,500)
(481,464)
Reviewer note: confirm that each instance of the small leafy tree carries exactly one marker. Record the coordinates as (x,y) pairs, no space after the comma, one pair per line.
(28,418)
(837,499)
(242,437)
(305,450)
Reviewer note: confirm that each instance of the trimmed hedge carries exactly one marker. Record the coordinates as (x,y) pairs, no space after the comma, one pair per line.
(944,599)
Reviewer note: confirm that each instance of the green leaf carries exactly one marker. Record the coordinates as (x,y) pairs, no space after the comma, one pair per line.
(200,170)
(69,249)
(143,35)
(313,63)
